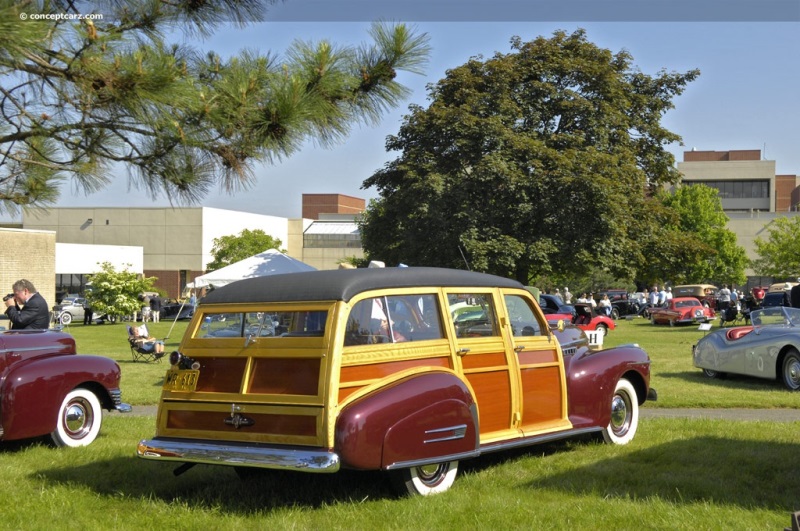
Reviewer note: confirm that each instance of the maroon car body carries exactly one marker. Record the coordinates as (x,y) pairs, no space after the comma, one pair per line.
(371,369)
(46,389)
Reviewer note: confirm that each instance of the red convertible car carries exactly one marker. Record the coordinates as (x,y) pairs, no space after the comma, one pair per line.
(585,318)
(47,389)
(681,310)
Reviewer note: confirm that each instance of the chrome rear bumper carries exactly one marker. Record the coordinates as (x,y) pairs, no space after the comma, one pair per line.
(239,454)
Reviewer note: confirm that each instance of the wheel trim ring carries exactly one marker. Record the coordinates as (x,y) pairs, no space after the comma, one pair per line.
(432,475)
(77,419)
(620,415)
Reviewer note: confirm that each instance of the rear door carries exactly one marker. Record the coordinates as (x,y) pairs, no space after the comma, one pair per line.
(483,358)
(540,368)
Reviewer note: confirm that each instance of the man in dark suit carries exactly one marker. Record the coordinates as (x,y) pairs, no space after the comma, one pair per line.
(795,295)
(27,309)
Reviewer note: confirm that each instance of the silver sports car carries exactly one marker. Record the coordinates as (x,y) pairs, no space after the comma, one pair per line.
(768,348)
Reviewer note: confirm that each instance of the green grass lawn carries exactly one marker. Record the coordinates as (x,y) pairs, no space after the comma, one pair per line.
(676,474)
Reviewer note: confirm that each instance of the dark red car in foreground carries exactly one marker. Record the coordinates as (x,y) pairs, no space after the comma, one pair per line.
(47,389)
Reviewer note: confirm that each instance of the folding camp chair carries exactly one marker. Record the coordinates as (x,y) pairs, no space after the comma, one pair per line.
(141,351)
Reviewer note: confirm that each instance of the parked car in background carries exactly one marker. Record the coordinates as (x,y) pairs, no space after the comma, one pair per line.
(551,304)
(768,348)
(776,298)
(585,318)
(705,293)
(366,369)
(48,390)
(628,305)
(681,310)
(613,294)
(69,309)
(172,309)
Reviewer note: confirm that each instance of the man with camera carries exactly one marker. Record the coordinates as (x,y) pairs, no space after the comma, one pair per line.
(25,308)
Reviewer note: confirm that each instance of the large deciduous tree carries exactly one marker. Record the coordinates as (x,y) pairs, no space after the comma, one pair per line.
(79,97)
(779,250)
(698,247)
(530,162)
(230,249)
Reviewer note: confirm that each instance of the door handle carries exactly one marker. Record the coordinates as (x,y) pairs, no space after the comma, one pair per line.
(462,351)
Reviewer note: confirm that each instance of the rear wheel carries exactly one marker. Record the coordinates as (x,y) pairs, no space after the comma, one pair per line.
(624,414)
(427,479)
(714,375)
(791,370)
(615,313)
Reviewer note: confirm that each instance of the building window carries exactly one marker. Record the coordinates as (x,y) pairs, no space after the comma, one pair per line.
(350,241)
(737,189)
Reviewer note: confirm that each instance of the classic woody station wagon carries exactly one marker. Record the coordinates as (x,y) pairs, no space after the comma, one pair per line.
(373,369)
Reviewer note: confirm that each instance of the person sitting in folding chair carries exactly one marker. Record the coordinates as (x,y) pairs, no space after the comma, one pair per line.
(143,345)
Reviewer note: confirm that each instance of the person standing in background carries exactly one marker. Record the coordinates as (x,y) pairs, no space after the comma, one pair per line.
(155,308)
(25,308)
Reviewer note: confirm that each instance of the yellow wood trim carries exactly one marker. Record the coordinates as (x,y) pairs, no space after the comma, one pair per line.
(481,370)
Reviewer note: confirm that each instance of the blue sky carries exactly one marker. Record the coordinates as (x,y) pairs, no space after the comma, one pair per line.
(747,96)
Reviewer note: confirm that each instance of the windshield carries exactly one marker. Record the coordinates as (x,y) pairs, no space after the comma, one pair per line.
(776,316)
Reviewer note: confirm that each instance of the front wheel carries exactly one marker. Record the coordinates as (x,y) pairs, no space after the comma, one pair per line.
(791,370)
(79,419)
(427,479)
(65,319)
(615,313)
(624,414)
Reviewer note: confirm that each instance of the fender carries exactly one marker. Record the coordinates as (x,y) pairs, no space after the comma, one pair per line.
(604,368)
(417,418)
(32,392)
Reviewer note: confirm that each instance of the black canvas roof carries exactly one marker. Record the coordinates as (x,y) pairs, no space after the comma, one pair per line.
(343,284)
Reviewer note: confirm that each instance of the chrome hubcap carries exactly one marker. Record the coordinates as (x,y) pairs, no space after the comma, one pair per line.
(432,474)
(793,373)
(620,416)
(77,419)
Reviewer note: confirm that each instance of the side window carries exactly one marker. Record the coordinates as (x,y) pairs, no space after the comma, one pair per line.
(393,319)
(473,314)
(523,320)
(263,324)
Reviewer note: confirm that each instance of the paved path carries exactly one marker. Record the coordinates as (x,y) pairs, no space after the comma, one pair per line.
(772,415)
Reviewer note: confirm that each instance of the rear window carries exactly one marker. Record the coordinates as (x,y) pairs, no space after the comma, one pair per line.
(263,324)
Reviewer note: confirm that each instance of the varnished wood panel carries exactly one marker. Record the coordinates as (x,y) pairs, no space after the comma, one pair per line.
(297,425)
(376,371)
(542,398)
(220,375)
(532,357)
(490,359)
(493,394)
(292,376)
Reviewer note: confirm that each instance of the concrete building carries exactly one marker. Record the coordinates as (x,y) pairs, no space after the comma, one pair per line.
(752,195)
(745,182)
(176,243)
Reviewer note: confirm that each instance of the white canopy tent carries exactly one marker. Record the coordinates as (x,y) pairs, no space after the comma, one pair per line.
(270,262)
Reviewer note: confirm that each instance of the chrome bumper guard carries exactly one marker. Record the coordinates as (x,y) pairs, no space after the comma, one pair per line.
(119,405)
(239,454)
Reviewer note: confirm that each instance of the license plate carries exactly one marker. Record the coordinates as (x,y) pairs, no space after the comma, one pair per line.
(181,380)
